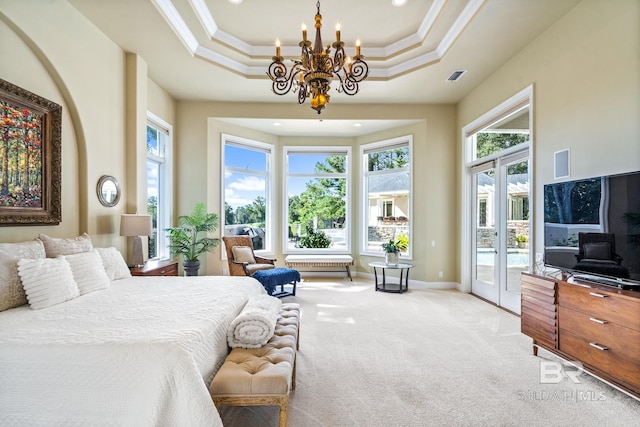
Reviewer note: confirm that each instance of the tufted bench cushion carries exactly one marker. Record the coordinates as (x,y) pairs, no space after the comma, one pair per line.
(265,375)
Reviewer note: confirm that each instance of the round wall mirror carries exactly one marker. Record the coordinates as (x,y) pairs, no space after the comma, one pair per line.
(108,191)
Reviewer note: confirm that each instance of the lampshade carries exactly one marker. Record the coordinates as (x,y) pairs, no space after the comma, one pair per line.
(135,225)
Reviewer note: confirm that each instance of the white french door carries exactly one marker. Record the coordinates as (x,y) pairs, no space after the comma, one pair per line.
(501,228)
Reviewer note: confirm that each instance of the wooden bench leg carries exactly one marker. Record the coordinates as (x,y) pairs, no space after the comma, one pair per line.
(283,414)
(349,273)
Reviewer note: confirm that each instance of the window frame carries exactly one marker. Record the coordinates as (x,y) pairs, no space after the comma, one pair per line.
(324,150)
(165,182)
(269,221)
(365,149)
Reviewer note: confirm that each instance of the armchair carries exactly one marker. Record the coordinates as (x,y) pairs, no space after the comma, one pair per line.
(241,258)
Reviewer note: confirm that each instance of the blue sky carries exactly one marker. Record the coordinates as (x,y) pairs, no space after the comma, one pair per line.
(242,188)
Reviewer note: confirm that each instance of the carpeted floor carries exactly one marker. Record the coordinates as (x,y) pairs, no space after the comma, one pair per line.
(425,358)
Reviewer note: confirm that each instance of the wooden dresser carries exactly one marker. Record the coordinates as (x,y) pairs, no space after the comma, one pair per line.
(163,267)
(598,326)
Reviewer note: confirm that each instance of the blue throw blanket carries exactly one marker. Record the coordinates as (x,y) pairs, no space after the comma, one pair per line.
(276,276)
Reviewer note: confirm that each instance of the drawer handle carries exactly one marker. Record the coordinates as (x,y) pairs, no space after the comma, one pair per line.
(599,347)
(595,294)
(602,322)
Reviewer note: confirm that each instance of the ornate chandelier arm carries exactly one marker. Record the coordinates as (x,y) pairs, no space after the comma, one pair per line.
(282,81)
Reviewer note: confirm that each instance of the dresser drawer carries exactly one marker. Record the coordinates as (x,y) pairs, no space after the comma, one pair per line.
(601,304)
(539,317)
(623,341)
(611,361)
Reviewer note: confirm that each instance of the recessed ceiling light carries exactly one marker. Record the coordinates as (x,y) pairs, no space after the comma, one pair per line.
(398,2)
(235,1)
(357,124)
(277,124)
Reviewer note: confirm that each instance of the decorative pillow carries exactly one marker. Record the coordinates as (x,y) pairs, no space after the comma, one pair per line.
(243,254)
(88,271)
(55,247)
(114,264)
(11,290)
(601,250)
(47,281)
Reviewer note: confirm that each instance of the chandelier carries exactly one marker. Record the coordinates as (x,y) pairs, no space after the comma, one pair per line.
(312,74)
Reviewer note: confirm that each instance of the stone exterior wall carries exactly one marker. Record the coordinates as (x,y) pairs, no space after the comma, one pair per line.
(384,233)
(486,235)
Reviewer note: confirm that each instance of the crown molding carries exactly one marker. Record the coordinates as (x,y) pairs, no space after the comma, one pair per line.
(375,54)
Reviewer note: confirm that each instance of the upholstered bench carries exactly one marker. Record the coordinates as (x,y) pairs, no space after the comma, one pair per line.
(320,261)
(262,376)
(275,277)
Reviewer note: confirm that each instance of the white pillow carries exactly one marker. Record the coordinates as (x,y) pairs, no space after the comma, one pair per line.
(55,246)
(243,254)
(11,290)
(47,281)
(114,264)
(88,271)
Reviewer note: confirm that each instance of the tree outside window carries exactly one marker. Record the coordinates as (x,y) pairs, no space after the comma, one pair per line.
(317,194)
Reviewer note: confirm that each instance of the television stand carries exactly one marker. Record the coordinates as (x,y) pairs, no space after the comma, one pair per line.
(596,325)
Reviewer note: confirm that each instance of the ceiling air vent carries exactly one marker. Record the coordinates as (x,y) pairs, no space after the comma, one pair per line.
(456,75)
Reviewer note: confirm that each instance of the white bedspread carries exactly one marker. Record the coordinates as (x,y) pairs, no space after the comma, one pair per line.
(140,353)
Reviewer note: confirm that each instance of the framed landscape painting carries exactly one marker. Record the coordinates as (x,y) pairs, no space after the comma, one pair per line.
(30,158)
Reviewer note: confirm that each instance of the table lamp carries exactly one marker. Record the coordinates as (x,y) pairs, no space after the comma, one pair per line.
(134,225)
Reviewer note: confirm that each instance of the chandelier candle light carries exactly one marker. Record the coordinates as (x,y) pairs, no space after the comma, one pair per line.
(312,74)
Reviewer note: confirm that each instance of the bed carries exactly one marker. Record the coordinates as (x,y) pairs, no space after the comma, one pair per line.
(141,352)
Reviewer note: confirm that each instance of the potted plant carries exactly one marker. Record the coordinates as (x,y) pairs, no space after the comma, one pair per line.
(522,240)
(391,252)
(186,239)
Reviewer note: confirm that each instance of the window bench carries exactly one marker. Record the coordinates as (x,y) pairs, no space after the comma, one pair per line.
(346,261)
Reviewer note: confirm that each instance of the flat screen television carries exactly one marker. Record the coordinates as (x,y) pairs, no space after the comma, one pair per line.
(592,229)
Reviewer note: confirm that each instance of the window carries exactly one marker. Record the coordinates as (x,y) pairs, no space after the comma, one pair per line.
(247,191)
(317,188)
(158,183)
(386,193)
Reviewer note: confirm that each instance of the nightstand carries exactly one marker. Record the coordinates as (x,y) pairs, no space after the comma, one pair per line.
(163,267)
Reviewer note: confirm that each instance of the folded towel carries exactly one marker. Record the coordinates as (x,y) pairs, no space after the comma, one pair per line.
(255,324)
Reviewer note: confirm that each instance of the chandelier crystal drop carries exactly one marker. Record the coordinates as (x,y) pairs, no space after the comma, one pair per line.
(312,74)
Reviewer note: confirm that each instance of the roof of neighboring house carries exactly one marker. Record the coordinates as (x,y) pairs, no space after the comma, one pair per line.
(393,183)
(517,183)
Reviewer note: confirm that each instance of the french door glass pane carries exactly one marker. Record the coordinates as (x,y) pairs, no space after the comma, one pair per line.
(517,223)
(485,227)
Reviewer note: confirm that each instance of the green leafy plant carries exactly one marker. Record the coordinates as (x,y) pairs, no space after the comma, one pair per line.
(185,240)
(390,247)
(522,238)
(400,244)
(315,239)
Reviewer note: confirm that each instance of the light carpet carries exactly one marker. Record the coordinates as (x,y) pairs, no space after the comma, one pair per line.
(425,358)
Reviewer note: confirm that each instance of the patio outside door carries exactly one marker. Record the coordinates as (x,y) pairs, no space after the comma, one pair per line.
(501,229)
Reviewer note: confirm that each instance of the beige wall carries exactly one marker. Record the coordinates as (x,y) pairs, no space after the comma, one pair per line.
(586,75)
(45,60)
(78,67)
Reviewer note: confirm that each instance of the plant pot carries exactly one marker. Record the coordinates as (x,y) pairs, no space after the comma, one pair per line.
(191,267)
(391,258)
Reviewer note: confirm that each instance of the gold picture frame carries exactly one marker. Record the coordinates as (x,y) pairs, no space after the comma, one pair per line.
(30,158)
